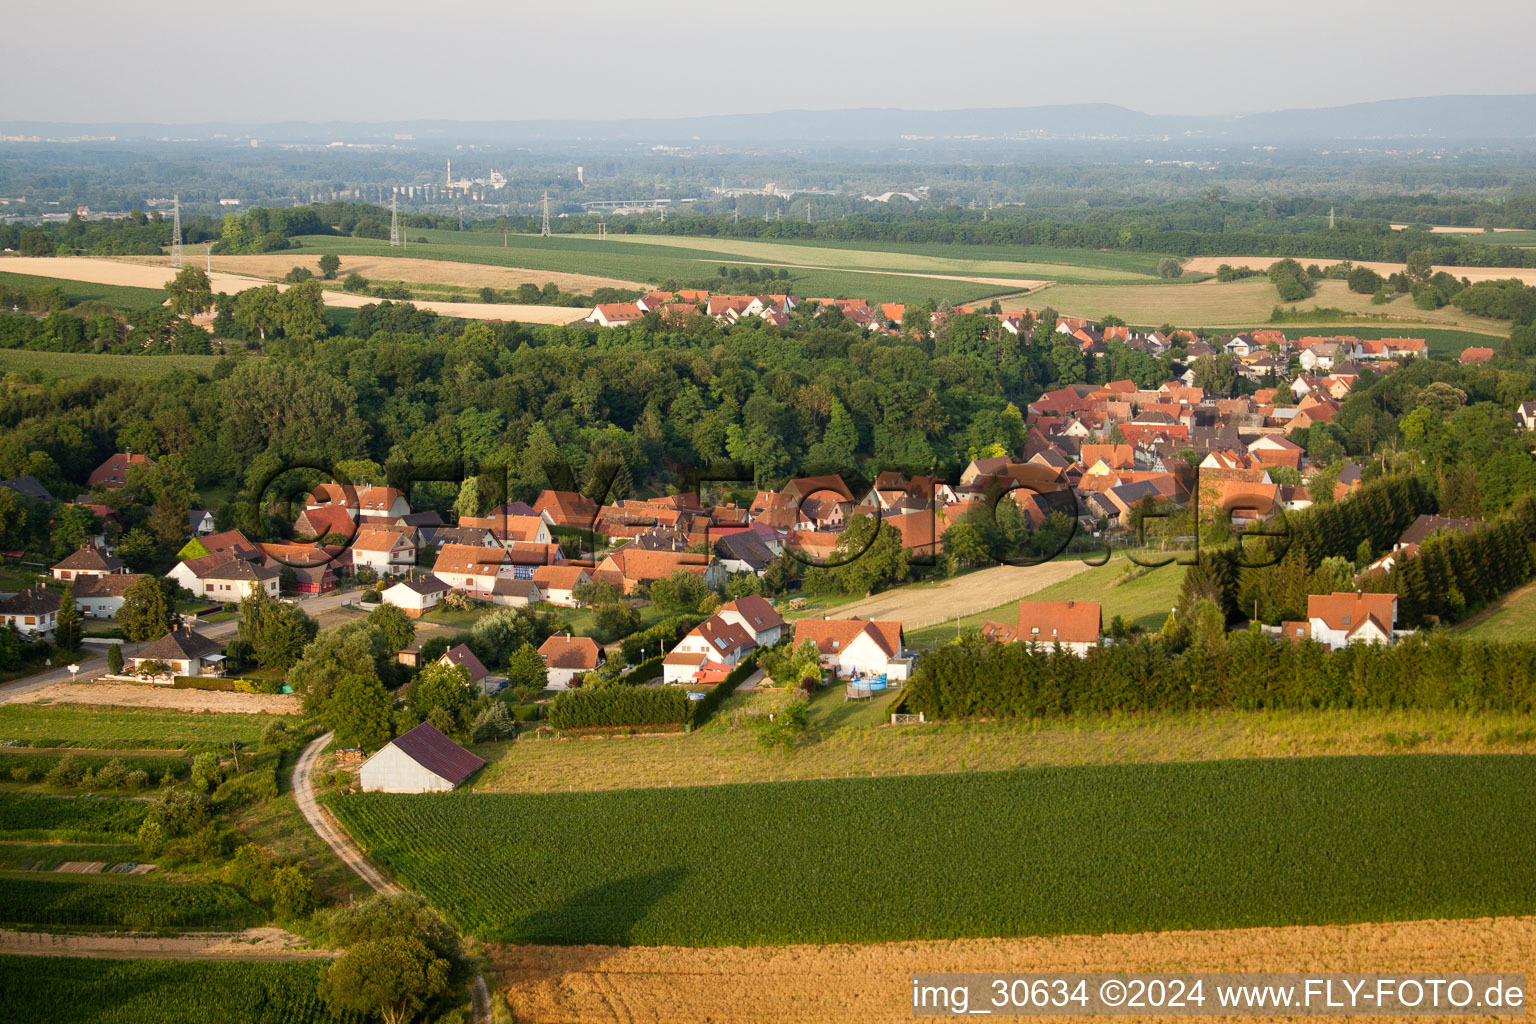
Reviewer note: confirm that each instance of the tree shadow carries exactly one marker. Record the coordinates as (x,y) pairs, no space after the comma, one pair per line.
(603,915)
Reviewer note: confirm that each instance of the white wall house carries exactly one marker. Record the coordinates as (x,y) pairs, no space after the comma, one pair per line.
(416,597)
(1340,619)
(420,761)
(33,612)
(855,647)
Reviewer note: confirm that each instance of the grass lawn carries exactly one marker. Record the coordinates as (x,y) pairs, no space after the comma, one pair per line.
(57,365)
(849,740)
(1513,617)
(76,292)
(1094,850)
(456,620)
(76,725)
(1143,601)
(278,825)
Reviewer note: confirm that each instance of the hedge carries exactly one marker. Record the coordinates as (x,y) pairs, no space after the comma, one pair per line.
(1250,670)
(613,705)
(661,636)
(228,684)
(647,670)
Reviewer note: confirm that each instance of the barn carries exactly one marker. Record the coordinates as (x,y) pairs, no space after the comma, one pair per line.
(420,761)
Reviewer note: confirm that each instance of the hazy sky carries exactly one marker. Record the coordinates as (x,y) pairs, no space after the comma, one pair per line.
(178,61)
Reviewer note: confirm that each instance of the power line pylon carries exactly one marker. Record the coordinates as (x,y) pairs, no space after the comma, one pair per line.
(176,260)
(544,228)
(394,221)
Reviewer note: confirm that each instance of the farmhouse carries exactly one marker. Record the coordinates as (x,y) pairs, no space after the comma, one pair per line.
(567,658)
(89,560)
(99,597)
(34,612)
(185,652)
(416,597)
(1340,619)
(855,647)
(420,761)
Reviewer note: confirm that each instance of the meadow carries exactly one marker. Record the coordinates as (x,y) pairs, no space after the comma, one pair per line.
(76,292)
(123,902)
(162,991)
(1512,617)
(113,728)
(1035,852)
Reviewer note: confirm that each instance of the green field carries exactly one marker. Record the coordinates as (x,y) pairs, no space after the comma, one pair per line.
(1503,237)
(122,902)
(56,365)
(73,990)
(16,856)
(1512,617)
(76,292)
(38,764)
(109,728)
(1051,851)
(647,260)
(81,819)
(1143,601)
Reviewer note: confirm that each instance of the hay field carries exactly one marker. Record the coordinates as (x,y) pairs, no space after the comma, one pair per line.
(834,984)
(101,270)
(405,269)
(1446,229)
(1208,265)
(1241,304)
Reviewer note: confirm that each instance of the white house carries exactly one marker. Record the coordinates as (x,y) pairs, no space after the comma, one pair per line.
(231,581)
(388,552)
(855,647)
(714,641)
(184,652)
(88,560)
(416,597)
(757,617)
(1340,619)
(567,658)
(1073,625)
(420,761)
(99,597)
(470,568)
(34,612)
(558,583)
(1525,415)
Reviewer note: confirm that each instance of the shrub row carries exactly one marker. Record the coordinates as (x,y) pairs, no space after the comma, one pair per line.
(612,705)
(661,636)
(703,709)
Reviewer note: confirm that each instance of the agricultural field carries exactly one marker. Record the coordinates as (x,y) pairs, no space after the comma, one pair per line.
(78,819)
(20,856)
(850,739)
(1224,844)
(73,365)
(76,292)
(162,992)
(121,902)
(644,259)
(1143,600)
(1246,304)
(114,728)
(20,764)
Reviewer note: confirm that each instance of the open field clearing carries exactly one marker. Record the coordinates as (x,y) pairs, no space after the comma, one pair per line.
(75,292)
(130,695)
(1512,617)
(1056,851)
(121,728)
(1011,283)
(99,270)
(1241,304)
(56,365)
(933,603)
(637,259)
(405,269)
(1447,229)
(1208,265)
(1062,261)
(848,739)
(1143,601)
(32,988)
(846,984)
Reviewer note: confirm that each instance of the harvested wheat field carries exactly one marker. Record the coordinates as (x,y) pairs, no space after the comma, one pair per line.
(815,984)
(134,696)
(1208,265)
(273,266)
(100,270)
(1446,229)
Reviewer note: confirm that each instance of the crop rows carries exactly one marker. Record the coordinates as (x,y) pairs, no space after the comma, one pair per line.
(75,725)
(69,818)
(112,901)
(1041,851)
(48,856)
(65,990)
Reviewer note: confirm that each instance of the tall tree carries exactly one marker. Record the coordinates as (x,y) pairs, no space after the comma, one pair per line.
(190,291)
(66,635)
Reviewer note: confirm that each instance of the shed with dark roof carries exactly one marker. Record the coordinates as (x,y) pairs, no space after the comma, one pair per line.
(420,761)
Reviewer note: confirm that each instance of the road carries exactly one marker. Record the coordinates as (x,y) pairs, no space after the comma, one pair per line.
(98,666)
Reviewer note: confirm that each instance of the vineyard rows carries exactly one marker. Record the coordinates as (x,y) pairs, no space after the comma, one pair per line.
(69,818)
(1041,851)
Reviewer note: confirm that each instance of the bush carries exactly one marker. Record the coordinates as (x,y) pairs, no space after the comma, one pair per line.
(67,773)
(619,706)
(21,774)
(1170,268)
(248,787)
(206,773)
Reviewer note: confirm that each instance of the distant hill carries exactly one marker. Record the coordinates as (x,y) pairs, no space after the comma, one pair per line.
(1439,119)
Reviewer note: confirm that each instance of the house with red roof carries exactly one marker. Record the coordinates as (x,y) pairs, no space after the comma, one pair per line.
(113,473)
(1339,619)
(851,648)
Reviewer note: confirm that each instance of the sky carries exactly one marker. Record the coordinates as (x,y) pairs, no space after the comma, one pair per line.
(174,61)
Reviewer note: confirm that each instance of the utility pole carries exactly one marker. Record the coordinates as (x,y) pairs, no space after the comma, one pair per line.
(208,252)
(544,230)
(1330,218)
(394,221)
(176,231)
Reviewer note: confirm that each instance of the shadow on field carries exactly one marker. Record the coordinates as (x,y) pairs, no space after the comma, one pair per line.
(602,915)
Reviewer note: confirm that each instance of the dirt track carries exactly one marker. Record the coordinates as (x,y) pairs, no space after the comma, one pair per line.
(1208,265)
(816,984)
(251,944)
(98,270)
(915,607)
